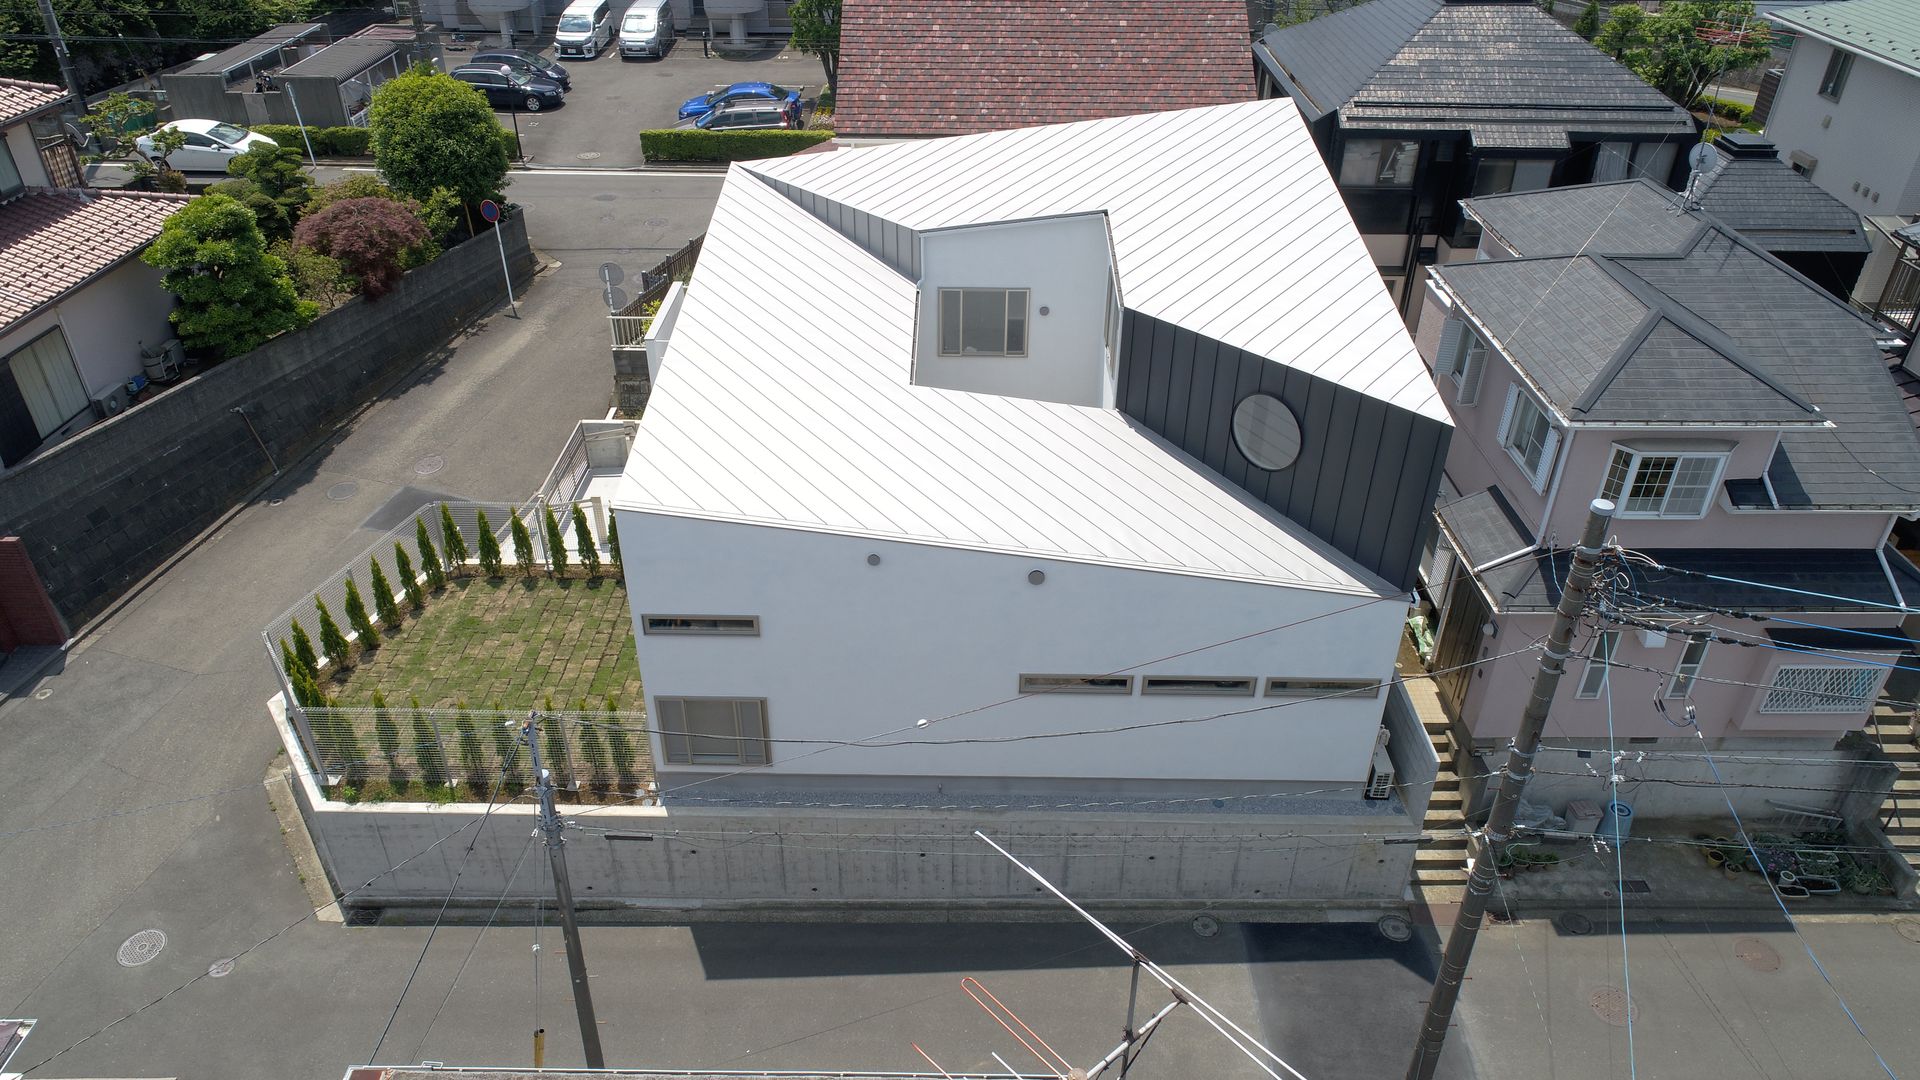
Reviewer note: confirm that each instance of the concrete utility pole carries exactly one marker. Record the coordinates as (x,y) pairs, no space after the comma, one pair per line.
(1489,843)
(61,56)
(550,827)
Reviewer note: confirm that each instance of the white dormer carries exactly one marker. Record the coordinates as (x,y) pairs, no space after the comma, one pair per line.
(1020,308)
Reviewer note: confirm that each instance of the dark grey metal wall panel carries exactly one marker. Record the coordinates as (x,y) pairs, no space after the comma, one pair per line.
(1367,474)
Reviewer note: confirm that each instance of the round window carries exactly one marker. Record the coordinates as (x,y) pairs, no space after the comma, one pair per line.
(1266,432)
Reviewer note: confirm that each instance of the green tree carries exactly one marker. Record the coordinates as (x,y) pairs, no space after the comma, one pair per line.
(387,733)
(1588,24)
(332,641)
(409,581)
(553,751)
(269,181)
(455,543)
(613,540)
(426,748)
(593,756)
(490,562)
(522,545)
(1666,48)
(556,545)
(583,539)
(297,675)
(357,617)
(303,648)
(234,295)
(432,131)
(383,602)
(816,30)
(473,754)
(429,557)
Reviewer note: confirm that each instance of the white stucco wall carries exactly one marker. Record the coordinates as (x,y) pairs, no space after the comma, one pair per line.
(1862,152)
(104,323)
(1067,264)
(26,156)
(848,650)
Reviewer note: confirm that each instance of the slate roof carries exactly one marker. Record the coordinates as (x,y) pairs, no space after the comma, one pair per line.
(908,67)
(344,59)
(1712,331)
(1507,73)
(1762,198)
(53,241)
(20,98)
(1485,527)
(1886,30)
(254,48)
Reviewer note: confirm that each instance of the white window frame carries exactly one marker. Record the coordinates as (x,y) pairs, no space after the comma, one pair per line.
(1832,698)
(751,748)
(1309,687)
(1199,685)
(1693,656)
(958,295)
(1593,681)
(1511,417)
(701,625)
(1076,684)
(1465,354)
(1618,482)
(1394,163)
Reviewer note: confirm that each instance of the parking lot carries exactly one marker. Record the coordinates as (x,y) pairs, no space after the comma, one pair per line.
(613,100)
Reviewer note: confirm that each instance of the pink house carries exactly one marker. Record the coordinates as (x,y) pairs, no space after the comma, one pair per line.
(1611,342)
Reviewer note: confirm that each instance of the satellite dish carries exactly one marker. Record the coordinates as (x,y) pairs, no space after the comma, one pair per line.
(611,274)
(1701,157)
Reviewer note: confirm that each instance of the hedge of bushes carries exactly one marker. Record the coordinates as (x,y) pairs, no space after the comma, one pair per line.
(1738,112)
(692,144)
(345,141)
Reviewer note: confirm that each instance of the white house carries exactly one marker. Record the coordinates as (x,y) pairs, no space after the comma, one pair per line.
(1844,112)
(1028,435)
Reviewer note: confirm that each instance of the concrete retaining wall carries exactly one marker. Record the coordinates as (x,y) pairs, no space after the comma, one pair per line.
(104,508)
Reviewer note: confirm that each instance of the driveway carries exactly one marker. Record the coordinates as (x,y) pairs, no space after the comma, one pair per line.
(613,100)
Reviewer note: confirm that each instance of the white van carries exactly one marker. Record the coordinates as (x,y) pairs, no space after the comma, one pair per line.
(647,29)
(586,27)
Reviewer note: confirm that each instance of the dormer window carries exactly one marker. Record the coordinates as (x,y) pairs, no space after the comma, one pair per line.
(983,322)
(1658,483)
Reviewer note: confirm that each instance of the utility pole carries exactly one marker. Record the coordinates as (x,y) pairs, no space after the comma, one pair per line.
(1489,843)
(550,827)
(61,56)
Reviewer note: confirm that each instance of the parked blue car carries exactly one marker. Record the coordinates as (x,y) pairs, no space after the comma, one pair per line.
(701,104)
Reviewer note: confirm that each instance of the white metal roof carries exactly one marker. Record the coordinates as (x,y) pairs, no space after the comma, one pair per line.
(1224,221)
(787,401)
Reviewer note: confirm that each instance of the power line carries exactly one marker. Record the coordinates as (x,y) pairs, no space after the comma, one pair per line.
(471,949)
(1620,875)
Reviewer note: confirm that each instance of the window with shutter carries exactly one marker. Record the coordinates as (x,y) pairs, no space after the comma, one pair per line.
(1506,412)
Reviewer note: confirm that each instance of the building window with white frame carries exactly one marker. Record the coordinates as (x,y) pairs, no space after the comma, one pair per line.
(45,386)
(983,322)
(713,731)
(1376,163)
(1594,679)
(1687,671)
(1667,485)
(1809,689)
(1464,352)
(1833,81)
(1528,435)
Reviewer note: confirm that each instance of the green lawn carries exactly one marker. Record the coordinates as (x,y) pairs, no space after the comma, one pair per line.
(512,642)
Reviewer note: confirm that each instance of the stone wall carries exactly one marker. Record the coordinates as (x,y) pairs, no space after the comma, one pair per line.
(104,508)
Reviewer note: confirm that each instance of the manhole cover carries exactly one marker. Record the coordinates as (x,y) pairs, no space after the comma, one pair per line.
(1610,1004)
(657,223)
(343,491)
(1909,929)
(588,156)
(364,916)
(1574,923)
(1756,954)
(1206,925)
(220,969)
(1395,928)
(141,947)
(429,465)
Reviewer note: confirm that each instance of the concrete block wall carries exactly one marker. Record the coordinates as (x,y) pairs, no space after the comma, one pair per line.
(101,510)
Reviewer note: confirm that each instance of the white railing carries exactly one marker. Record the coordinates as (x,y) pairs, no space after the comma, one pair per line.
(629,331)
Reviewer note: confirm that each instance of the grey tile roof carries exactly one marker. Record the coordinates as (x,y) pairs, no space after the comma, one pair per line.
(1423,65)
(1887,30)
(1533,584)
(1761,197)
(1484,527)
(1626,217)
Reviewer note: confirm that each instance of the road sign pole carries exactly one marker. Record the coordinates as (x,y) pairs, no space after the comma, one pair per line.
(491,211)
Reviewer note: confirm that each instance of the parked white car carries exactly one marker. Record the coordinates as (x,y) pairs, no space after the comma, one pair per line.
(210,145)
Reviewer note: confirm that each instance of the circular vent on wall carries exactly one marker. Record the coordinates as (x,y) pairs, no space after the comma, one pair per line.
(1266,432)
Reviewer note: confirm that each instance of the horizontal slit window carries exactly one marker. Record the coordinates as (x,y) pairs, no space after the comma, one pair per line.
(1178,684)
(738,625)
(1076,684)
(1323,688)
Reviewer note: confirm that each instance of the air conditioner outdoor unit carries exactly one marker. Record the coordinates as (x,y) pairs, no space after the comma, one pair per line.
(110,402)
(1380,783)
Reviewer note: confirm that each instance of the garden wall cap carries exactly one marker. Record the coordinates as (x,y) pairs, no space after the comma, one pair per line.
(54,240)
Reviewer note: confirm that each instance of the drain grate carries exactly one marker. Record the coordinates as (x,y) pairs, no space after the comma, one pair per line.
(1610,1004)
(343,491)
(364,916)
(1756,954)
(1635,885)
(141,947)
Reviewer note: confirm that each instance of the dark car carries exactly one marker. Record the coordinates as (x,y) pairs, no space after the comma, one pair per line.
(701,104)
(530,64)
(508,89)
(746,114)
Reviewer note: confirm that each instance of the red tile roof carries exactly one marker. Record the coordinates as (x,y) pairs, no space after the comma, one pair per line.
(20,98)
(910,67)
(53,240)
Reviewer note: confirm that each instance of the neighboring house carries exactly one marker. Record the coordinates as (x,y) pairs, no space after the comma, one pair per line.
(1417,104)
(1070,427)
(1749,188)
(911,69)
(318,84)
(1611,343)
(76,304)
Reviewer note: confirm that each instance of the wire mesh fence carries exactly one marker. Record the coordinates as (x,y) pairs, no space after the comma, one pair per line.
(449,755)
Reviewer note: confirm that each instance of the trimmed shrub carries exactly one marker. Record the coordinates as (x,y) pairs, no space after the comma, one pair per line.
(426,749)
(613,539)
(473,754)
(409,581)
(297,676)
(371,239)
(556,545)
(332,642)
(383,603)
(522,545)
(363,627)
(327,141)
(583,539)
(553,752)
(489,545)
(429,556)
(303,648)
(456,544)
(692,144)
(387,733)
(593,756)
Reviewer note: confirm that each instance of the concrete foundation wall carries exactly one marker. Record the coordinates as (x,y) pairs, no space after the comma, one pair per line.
(102,509)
